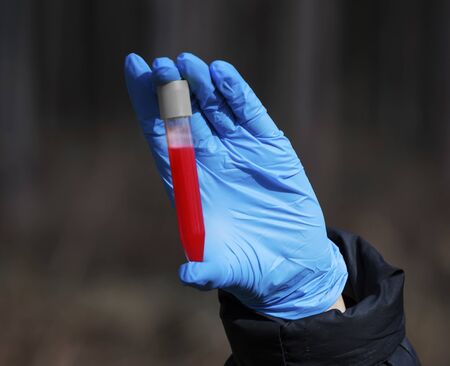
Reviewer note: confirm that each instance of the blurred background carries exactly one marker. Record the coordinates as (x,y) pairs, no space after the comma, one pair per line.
(88,243)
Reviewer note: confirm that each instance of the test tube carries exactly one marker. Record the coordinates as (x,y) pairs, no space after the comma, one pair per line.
(175,110)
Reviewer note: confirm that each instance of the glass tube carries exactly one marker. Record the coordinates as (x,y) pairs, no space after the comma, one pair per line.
(186,189)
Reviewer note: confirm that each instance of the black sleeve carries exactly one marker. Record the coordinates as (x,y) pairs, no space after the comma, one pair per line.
(370,332)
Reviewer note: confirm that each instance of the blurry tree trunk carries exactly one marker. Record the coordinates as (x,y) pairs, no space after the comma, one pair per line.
(17,112)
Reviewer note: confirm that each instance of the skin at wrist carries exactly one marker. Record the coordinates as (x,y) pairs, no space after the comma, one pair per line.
(338,305)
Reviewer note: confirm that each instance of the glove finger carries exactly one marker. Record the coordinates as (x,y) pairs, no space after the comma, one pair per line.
(244,103)
(165,71)
(211,102)
(138,77)
(204,275)
(140,88)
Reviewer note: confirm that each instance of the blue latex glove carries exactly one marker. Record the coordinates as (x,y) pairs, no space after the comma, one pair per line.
(266,241)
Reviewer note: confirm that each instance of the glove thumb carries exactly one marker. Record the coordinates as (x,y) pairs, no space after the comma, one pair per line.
(204,275)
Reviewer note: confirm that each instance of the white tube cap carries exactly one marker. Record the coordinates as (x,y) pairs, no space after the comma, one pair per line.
(174,100)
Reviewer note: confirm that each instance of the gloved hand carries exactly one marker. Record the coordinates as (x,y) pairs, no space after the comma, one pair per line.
(266,241)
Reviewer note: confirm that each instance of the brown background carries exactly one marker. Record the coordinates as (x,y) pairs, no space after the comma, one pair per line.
(88,244)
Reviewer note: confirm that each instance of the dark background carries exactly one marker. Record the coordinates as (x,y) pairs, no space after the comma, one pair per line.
(88,243)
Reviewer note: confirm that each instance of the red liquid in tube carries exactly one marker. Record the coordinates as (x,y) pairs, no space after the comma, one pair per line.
(186,189)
